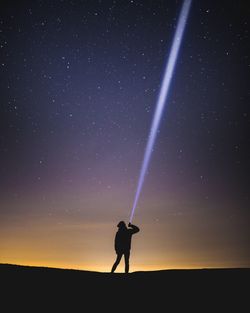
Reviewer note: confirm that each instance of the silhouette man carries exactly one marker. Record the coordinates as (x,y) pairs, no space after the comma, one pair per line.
(123,243)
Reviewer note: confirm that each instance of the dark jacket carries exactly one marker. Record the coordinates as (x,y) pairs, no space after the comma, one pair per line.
(123,238)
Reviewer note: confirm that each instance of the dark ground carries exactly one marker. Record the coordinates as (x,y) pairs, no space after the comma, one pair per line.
(42,289)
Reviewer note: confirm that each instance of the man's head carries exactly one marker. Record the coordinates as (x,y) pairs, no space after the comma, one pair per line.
(121,225)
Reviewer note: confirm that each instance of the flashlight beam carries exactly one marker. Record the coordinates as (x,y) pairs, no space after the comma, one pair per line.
(162,98)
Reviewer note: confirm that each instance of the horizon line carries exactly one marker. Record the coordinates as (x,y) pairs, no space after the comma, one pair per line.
(121,272)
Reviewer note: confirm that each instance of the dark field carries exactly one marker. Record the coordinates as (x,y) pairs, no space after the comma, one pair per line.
(42,289)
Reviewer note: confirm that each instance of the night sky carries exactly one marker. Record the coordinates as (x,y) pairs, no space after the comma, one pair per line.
(79,83)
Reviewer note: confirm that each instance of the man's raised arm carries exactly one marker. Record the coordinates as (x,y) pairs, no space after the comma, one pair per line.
(134,229)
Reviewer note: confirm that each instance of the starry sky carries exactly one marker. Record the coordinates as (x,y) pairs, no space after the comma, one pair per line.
(79,85)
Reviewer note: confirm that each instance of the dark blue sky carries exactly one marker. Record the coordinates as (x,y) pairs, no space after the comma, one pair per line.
(79,84)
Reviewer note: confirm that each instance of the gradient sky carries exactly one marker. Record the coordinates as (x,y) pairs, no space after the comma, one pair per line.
(79,84)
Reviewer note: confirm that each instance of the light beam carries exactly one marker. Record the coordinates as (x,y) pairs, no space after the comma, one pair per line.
(162,98)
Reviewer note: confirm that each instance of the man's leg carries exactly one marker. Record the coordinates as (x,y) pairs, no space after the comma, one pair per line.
(126,256)
(117,261)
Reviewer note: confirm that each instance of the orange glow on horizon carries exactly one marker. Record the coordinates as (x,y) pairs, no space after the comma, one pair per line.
(105,269)
(69,242)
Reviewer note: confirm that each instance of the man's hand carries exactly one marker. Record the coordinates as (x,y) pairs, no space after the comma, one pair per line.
(129,224)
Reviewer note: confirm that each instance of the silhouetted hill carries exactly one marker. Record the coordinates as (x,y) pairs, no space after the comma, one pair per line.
(51,290)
